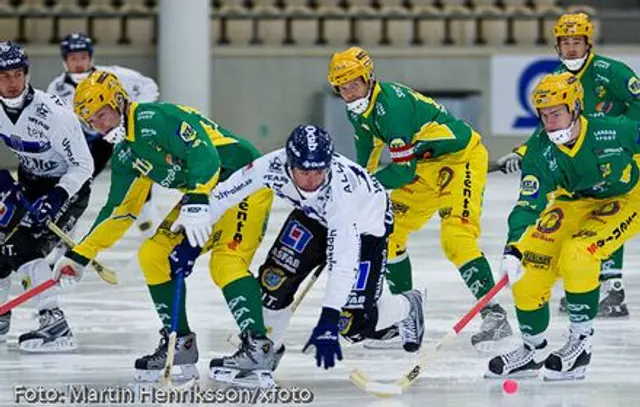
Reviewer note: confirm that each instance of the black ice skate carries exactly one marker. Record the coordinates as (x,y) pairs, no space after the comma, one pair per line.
(251,366)
(388,338)
(493,330)
(411,329)
(5,325)
(571,361)
(54,334)
(524,361)
(149,368)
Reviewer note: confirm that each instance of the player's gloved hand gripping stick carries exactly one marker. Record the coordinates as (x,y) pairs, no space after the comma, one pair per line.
(105,273)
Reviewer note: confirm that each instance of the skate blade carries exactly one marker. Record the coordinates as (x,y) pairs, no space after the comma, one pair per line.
(373,344)
(524,374)
(59,345)
(617,312)
(576,374)
(179,374)
(256,378)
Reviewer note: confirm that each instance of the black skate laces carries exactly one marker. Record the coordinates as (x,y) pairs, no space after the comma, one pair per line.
(575,345)
(47,316)
(520,355)
(161,349)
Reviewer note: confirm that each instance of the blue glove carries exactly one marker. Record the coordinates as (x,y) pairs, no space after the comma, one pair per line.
(9,198)
(325,339)
(46,207)
(182,259)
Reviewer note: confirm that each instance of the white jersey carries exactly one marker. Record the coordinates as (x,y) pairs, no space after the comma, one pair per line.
(351,203)
(139,87)
(48,141)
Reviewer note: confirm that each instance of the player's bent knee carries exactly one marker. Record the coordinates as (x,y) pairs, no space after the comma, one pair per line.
(154,262)
(580,272)
(459,242)
(530,296)
(228,269)
(357,325)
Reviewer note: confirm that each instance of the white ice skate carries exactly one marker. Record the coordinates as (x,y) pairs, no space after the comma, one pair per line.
(524,361)
(570,362)
(149,368)
(54,334)
(250,366)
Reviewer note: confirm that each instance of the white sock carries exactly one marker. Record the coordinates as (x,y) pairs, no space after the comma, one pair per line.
(5,287)
(533,340)
(35,273)
(581,327)
(391,309)
(277,323)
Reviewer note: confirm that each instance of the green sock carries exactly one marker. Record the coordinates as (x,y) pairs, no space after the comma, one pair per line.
(534,322)
(477,276)
(244,299)
(583,307)
(612,267)
(398,276)
(162,296)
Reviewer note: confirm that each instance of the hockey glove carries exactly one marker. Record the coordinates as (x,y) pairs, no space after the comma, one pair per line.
(195,219)
(511,265)
(67,272)
(46,207)
(182,259)
(325,339)
(510,163)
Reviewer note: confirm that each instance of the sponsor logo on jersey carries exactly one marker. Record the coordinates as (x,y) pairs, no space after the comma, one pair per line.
(275,165)
(187,133)
(380,111)
(145,114)
(536,260)
(530,186)
(550,221)
(608,209)
(445,176)
(634,85)
(43,111)
(241,218)
(605,170)
(273,278)
(296,236)
(617,233)
(466,193)
(605,135)
(38,122)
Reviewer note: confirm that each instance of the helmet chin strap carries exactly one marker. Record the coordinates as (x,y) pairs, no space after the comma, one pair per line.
(18,101)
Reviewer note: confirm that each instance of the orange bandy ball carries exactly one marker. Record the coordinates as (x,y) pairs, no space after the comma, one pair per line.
(510,386)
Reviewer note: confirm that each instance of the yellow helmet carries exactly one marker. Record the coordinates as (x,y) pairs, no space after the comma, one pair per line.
(96,91)
(348,65)
(574,24)
(559,89)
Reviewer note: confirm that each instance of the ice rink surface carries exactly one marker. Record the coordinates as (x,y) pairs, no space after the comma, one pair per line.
(115,325)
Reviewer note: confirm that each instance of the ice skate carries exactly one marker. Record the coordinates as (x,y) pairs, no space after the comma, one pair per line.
(251,366)
(494,329)
(388,338)
(5,325)
(411,329)
(571,361)
(149,368)
(54,334)
(612,296)
(524,361)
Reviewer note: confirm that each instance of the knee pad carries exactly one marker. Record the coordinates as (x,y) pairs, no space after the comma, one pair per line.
(154,262)
(530,294)
(459,241)
(226,269)
(357,325)
(34,273)
(579,270)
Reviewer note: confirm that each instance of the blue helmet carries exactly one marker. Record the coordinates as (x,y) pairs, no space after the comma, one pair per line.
(76,42)
(12,56)
(309,147)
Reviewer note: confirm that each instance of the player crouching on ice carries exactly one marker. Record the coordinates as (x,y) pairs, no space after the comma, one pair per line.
(178,148)
(591,160)
(342,216)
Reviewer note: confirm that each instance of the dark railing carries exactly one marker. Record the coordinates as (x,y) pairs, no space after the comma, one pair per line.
(279,11)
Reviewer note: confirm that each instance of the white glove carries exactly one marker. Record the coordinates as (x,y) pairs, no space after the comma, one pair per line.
(511,265)
(510,163)
(196,222)
(67,272)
